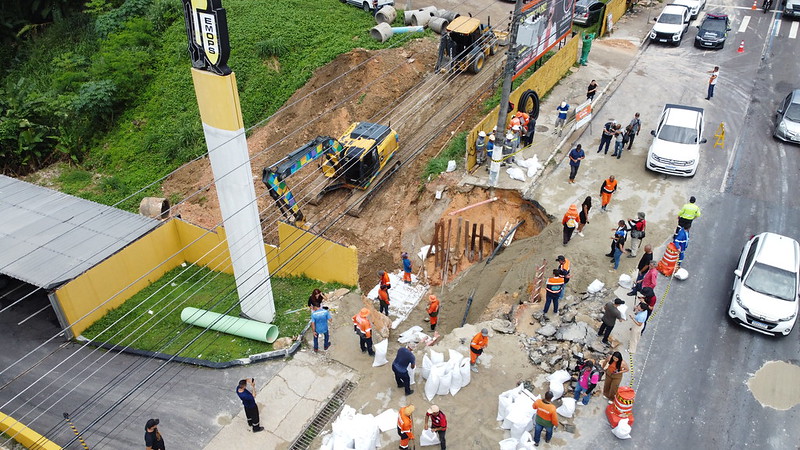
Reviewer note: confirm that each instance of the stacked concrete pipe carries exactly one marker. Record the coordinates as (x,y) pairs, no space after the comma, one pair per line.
(438,24)
(387,14)
(419,17)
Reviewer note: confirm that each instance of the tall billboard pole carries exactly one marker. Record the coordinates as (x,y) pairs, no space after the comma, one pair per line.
(218,100)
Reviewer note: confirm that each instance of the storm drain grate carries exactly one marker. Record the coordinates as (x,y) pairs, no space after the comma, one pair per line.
(323,417)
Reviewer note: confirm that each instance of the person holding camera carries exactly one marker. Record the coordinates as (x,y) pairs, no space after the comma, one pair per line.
(152,437)
(249,402)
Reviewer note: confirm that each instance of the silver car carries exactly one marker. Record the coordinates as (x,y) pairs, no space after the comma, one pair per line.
(787,118)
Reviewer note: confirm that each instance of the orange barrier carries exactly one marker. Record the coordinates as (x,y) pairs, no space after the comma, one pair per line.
(667,264)
(622,408)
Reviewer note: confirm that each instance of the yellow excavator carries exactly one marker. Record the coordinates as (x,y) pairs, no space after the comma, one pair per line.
(465,45)
(355,161)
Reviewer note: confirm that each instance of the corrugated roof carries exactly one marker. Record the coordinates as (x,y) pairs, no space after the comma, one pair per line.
(48,238)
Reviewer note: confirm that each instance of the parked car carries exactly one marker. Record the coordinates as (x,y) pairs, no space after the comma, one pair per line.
(694,6)
(765,286)
(587,12)
(791,9)
(676,147)
(670,25)
(787,118)
(370,6)
(713,31)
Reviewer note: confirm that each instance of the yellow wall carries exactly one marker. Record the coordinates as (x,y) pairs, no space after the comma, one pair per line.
(148,258)
(617,9)
(316,257)
(541,81)
(24,435)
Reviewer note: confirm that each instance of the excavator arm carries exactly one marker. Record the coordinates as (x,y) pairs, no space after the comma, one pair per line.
(274,176)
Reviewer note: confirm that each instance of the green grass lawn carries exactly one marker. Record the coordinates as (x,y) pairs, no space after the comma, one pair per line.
(197,286)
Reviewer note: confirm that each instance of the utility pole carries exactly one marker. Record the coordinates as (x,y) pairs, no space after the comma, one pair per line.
(508,74)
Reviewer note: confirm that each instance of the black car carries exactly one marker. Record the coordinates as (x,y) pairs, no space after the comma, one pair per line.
(713,31)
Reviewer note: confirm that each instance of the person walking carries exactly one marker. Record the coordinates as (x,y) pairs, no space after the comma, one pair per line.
(611,314)
(320,318)
(583,216)
(152,437)
(479,342)
(635,126)
(553,289)
(619,137)
(712,82)
(636,227)
(363,329)
(605,138)
(642,268)
(620,229)
(406,268)
(607,189)
(591,91)
(438,423)
(688,213)
(433,311)
(384,279)
(619,245)
(614,367)
(638,318)
(405,358)
(546,418)
(587,380)
(480,147)
(561,120)
(681,241)
(569,222)
(405,425)
(576,155)
(248,398)
(383,300)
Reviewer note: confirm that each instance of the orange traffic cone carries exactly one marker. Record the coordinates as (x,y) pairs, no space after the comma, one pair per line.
(667,264)
(754,5)
(622,408)
(741,47)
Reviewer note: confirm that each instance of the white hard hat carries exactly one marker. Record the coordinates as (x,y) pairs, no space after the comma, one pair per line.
(509,135)
(482,133)
(491,138)
(494,129)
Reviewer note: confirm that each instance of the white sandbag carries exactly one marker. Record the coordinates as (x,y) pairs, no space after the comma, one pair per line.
(451,166)
(567,408)
(525,442)
(466,372)
(427,364)
(681,274)
(387,420)
(559,376)
(531,165)
(625,281)
(436,357)
(455,375)
(423,252)
(366,434)
(503,403)
(508,444)
(595,286)
(411,372)
(622,430)
(380,353)
(409,335)
(515,173)
(455,358)
(432,384)
(444,381)
(521,421)
(428,437)
(557,389)
(624,310)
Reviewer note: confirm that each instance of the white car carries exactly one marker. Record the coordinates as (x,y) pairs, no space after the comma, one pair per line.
(670,25)
(765,286)
(694,6)
(676,147)
(370,6)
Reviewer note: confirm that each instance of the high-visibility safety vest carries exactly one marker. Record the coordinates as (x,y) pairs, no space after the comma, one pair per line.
(363,324)
(554,285)
(564,268)
(479,341)
(690,211)
(404,422)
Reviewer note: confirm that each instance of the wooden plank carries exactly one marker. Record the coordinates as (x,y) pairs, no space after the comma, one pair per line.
(472,242)
(466,238)
(458,237)
(480,245)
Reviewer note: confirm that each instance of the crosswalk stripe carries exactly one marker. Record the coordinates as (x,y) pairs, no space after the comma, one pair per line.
(793,30)
(777,27)
(743,26)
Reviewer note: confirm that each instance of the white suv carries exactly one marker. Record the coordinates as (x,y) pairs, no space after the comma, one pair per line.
(694,6)
(676,147)
(765,288)
(671,24)
(370,6)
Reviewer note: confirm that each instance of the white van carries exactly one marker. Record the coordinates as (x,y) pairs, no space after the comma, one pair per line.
(676,147)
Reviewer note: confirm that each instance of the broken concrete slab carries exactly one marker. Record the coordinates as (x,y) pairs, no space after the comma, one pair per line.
(547,330)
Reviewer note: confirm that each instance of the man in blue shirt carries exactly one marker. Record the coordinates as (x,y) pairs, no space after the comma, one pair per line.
(681,241)
(575,157)
(249,402)
(319,325)
(400,365)
(562,117)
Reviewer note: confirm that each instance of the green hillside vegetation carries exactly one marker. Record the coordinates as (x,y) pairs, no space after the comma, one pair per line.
(108,88)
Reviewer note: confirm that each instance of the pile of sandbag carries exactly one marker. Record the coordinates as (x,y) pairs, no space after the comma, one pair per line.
(515,410)
(532,165)
(353,431)
(444,377)
(557,380)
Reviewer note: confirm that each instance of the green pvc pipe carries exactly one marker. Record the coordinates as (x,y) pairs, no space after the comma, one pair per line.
(237,326)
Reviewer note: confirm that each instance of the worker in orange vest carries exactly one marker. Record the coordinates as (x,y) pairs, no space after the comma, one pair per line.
(364,331)
(383,300)
(553,288)
(405,425)
(607,189)
(479,342)
(433,311)
(385,279)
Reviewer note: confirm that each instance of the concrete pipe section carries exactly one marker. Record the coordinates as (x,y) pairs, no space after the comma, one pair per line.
(155,207)
(428,12)
(381,32)
(438,24)
(448,15)
(387,14)
(237,326)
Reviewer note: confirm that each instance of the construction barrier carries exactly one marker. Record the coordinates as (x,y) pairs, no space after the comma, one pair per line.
(615,9)
(622,408)
(667,264)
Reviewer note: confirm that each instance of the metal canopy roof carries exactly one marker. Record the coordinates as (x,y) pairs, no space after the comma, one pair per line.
(48,238)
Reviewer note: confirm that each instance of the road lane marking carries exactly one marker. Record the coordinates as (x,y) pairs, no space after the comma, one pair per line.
(793,30)
(777,27)
(743,26)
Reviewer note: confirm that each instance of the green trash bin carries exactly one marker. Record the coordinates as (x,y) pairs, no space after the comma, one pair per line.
(587,47)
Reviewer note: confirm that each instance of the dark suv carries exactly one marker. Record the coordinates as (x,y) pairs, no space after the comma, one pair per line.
(713,31)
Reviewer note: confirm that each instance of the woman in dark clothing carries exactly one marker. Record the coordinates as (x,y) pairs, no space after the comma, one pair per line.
(591,90)
(316,298)
(584,215)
